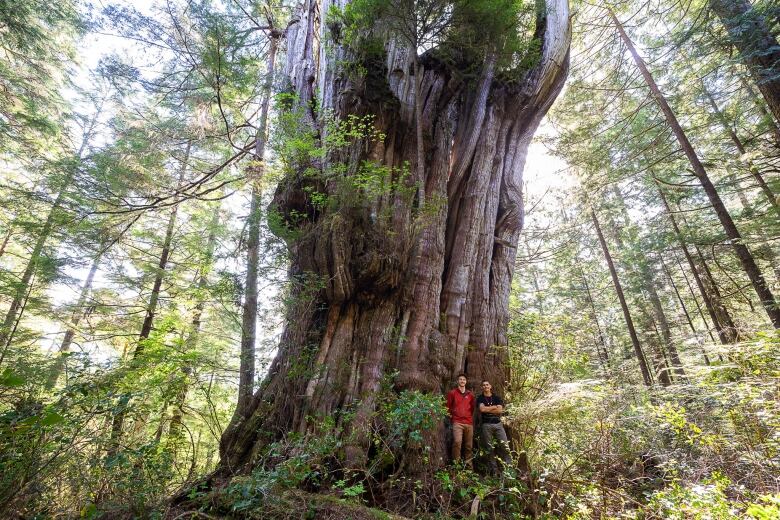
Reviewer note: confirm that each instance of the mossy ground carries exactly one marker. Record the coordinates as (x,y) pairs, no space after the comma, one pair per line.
(284,505)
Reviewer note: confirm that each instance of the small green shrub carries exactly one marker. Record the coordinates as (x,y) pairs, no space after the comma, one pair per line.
(411,414)
(707,500)
(766,508)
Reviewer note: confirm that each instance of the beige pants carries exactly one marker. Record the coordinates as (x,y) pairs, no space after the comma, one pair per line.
(462,436)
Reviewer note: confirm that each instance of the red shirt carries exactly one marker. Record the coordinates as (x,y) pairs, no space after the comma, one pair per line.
(461,406)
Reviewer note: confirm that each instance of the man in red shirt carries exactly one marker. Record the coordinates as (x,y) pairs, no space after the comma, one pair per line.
(461,403)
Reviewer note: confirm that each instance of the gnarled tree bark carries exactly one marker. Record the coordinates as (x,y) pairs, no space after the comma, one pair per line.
(420,292)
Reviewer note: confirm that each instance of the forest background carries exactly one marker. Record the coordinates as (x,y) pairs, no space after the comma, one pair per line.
(144,274)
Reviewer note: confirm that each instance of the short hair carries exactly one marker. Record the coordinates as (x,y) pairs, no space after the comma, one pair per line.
(461,375)
(486,381)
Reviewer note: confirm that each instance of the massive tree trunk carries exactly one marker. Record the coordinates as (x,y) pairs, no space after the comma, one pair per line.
(729,227)
(756,44)
(417,292)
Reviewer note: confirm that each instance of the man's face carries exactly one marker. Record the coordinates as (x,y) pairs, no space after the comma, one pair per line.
(486,387)
(461,381)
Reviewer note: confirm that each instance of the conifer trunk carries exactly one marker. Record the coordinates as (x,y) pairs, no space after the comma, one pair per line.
(665,329)
(758,47)
(684,308)
(22,287)
(595,316)
(154,296)
(117,423)
(535,282)
(640,356)
(661,366)
(404,289)
(648,281)
(23,284)
(75,319)
(246,383)
(754,171)
(602,340)
(742,252)
(761,107)
(696,300)
(720,317)
(177,416)
(7,238)
(15,325)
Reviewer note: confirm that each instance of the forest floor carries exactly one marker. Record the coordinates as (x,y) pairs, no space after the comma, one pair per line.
(292,505)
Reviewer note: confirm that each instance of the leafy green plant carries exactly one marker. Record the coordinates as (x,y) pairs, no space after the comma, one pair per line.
(707,500)
(350,491)
(767,508)
(411,414)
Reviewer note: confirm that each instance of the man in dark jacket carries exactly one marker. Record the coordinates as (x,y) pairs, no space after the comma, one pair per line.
(461,404)
(491,406)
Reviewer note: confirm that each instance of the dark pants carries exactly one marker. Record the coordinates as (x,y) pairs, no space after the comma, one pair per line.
(496,444)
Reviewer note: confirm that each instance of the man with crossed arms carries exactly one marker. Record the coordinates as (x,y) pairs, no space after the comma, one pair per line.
(491,407)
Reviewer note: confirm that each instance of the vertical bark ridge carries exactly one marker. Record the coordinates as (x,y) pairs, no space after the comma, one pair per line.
(407,289)
(459,275)
(481,359)
(427,279)
(472,130)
